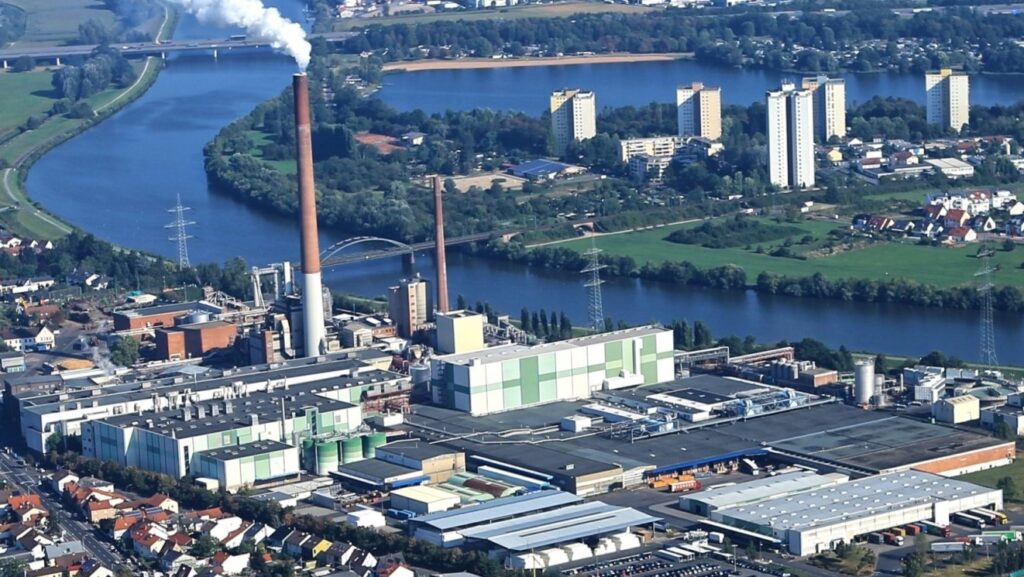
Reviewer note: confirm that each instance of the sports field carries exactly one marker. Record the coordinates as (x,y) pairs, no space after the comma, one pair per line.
(557,10)
(940,266)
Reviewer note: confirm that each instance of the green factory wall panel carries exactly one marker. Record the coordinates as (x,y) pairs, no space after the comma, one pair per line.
(461,389)
(263,468)
(546,363)
(669,354)
(529,370)
(548,391)
(493,387)
(531,393)
(510,370)
(612,352)
(627,356)
(511,384)
(245,435)
(512,398)
(650,372)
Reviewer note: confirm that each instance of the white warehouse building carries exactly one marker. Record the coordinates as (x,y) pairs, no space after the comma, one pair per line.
(815,521)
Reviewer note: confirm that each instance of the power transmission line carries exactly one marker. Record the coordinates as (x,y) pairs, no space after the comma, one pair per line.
(595,308)
(180,235)
(987,328)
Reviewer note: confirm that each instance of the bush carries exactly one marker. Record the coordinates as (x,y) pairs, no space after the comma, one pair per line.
(81,110)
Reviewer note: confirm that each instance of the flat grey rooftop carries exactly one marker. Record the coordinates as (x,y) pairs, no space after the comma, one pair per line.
(252,449)
(375,469)
(496,510)
(857,499)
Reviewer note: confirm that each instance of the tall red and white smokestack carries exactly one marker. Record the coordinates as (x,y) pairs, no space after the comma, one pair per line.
(442,266)
(312,286)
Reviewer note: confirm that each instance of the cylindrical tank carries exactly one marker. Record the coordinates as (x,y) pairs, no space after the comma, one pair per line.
(309,455)
(864,382)
(419,374)
(371,442)
(326,457)
(195,317)
(351,450)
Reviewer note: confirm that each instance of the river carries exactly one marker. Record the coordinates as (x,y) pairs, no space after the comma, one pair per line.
(118,179)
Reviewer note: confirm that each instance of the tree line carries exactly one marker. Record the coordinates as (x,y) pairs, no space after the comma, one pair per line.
(12,23)
(733,277)
(806,42)
(103,68)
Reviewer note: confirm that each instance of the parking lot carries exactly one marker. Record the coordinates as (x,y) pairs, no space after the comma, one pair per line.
(648,565)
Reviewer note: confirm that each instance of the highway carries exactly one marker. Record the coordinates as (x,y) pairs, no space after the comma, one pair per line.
(11,53)
(27,479)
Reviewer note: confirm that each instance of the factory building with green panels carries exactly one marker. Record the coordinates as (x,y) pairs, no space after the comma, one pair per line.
(175,441)
(238,466)
(511,377)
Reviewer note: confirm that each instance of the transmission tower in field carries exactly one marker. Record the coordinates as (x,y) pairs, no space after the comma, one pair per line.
(180,235)
(988,333)
(593,282)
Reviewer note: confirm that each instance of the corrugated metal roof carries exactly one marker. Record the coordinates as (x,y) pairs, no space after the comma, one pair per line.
(553,527)
(425,494)
(765,488)
(497,509)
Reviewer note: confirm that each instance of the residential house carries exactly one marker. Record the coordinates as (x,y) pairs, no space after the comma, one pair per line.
(935,212)
(904,225)
(185,571)
(170,562)
(1015,226)
(1003,199)
(33,542)
(23,339)
(8,240)
(293,544)
(27,509)
(93,568)
(983,223)
(903,159)
(1015,208)
(276,540)
(25,286)
(955,218)
(225,564)
(148,540)
(89,280)
(60,479)
(337,554)
(313,547)
(878,223)
(962,234)
(52,552)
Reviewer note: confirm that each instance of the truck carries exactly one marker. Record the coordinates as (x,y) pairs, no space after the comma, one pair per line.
(988,539)
(898,531)
(716,537)
(1008,535)
(936,529)
(893,539)
(968,520)
(988,515)
(684,485)
(912,529)
(876,538)
(943,547)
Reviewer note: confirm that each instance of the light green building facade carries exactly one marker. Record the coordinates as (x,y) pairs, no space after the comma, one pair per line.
(514,376)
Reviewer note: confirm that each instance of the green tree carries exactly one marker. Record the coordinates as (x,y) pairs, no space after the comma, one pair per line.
(524,319)
(125,352)
(701,336)
(24,64)
(11,568)
(1003,431)
(1009,488)
(880,364)
(205,546)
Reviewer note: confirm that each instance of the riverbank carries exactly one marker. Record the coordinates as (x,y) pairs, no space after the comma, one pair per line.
(18,212)
(480,63)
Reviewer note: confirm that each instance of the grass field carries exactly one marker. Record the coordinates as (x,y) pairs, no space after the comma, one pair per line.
(25,94)
(54,22)
(513,13)
(989,477)
(940,266)
(260,138)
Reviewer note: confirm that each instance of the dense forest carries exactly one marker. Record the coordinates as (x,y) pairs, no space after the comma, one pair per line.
(126,269)
(103,68)
(873,36)
(12,23)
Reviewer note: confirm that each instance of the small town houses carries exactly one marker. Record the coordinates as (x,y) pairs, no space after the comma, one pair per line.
(953,217)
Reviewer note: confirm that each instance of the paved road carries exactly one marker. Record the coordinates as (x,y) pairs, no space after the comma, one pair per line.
(151,48)
(28,479)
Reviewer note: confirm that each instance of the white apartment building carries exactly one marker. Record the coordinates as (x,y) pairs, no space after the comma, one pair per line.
(699,111)
(947,98)
(829,106)
(790,137)
(573,117)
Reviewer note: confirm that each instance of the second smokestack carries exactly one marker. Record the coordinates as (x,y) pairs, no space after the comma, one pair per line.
(442,266)
(312,285)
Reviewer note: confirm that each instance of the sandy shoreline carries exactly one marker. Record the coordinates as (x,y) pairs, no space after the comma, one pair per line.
(468,63)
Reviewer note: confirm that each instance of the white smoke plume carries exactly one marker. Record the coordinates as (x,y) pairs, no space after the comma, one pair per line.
(260,23)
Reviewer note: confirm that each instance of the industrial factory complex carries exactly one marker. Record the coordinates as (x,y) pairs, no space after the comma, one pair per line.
(467,432)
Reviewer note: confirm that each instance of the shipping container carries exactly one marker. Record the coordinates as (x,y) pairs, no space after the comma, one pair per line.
(684,485)
(968,520)
(936,529)
(912,529)
(876,538)
(898,531)
(954,547)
